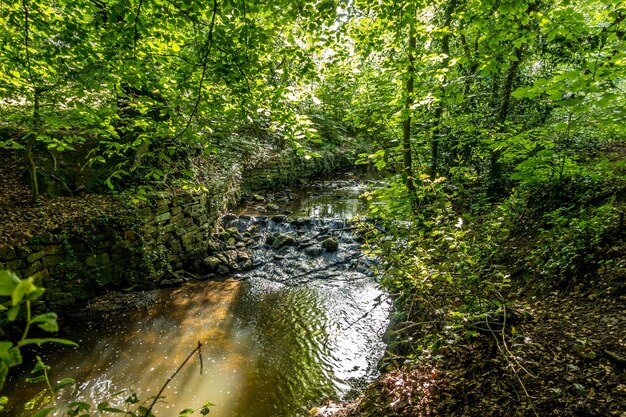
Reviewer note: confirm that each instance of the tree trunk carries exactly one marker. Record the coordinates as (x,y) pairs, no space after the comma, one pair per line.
(495,171)
(437,130)
(406,127)
(32,139)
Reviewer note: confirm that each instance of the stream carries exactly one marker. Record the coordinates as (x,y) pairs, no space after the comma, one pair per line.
(304,324)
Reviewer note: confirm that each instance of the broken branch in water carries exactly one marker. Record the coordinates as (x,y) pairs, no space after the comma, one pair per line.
(197,349)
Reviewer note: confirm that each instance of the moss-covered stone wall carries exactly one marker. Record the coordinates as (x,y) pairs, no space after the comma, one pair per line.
(144,245)
(138,248)
(285,170)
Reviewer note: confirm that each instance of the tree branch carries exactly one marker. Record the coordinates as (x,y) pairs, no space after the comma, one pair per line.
(136,35)
(204,69)
(197,349)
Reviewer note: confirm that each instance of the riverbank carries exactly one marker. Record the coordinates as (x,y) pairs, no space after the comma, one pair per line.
(566,358)
(514,308)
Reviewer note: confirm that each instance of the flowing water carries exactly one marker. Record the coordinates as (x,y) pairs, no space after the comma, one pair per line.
(303,325)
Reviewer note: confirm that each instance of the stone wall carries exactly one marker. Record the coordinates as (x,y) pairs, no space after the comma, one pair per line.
(139,248)
(286,170)
(143,245)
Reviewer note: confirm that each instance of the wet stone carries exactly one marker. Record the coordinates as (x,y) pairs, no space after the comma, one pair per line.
(330,244)
(222,270)
(283,240)
(232,232)
(229,217)
(211,263)
(213,246)
(170,282)
(35,256)
(314,251)
(261,220)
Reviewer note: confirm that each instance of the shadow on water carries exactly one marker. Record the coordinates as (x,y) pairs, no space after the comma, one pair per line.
(295,330)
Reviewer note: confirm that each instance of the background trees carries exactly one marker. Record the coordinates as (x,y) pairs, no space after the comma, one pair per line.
(485,90)
(498,88)
(145,85)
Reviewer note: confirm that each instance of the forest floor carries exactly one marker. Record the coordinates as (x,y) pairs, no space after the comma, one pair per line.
(561,355)
(21,219)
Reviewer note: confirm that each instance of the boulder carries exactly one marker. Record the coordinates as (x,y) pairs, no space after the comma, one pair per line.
(211,263)
(282,240)
(222,270)
(213,246)
(233,232)
(313,251)
(330,244)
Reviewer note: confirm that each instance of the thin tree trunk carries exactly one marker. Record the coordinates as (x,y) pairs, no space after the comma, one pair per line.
(437,130)
(495,168)
(32,139)
(495,172)
(406,127)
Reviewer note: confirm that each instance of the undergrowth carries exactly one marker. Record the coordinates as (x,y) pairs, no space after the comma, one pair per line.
(456,266)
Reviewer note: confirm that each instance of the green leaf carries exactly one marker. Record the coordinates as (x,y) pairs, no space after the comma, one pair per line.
(105,406)
(47,322)
(205,408)
(76,406)
(22,289)
(12,313)
(63,383)
(8,281)
(39,342)
(5,347)
(144,412)
(40,366)
(36,379)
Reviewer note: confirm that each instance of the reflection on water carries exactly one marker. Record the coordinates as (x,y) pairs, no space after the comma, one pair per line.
(326,199)
(269,349)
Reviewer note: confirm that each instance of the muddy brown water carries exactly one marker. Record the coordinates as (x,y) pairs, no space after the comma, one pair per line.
(276,341)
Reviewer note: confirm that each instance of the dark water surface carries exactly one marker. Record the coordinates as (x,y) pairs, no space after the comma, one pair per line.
(277,340)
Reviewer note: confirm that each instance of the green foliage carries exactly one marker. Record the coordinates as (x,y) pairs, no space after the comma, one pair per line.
(21,293)
(459,259)
(143,87)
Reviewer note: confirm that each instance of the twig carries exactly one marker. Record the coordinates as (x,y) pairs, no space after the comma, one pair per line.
(379,300)
(617,358)
(506,357)
(198,349)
